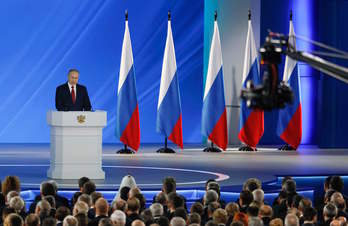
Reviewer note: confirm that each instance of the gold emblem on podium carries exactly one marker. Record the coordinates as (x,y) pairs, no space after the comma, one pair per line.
(81,119)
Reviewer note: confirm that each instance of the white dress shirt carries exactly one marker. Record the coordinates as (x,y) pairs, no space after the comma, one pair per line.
(74,89)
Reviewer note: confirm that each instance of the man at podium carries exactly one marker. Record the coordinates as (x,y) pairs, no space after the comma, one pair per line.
(71,96)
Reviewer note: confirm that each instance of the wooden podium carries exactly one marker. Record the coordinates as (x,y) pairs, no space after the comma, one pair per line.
(76,144)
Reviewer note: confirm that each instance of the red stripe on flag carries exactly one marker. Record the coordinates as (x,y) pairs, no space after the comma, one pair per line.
(176,135)
(219,134)
(131,134)
(292,135)
(253,129)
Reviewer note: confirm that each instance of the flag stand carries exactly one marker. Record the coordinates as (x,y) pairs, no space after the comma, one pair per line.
(211,148)
(246,148)
(125,150)
(165,149)
(287,147)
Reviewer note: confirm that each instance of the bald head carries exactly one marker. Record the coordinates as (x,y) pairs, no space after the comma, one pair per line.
(101,207)
(138,223)
(291,220)
(266,211)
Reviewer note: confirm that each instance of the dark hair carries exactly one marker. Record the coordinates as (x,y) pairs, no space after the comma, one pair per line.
(285,179)
(197,207)
(181,212)
(336,183)
(142,201)
(49,221)
(194,218)
(133,204)
(82,181)
(82,219)
(124,193)
(162,221)
(89,187)
(62,212)
(208,181)
(47,189)
(11,183)
(32,220)
(211,223)
(7,211)
(176,200)
(51,200)
(95,196)
(253,211)
(73,70)
(14,220)
(105,222)
(169,185)
(309,213)
(146,217)
(75,197)
(246,197)
(296,199)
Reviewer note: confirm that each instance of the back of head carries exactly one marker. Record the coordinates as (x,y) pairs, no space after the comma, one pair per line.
(105,222)
(46,188)
(146,216)
(276,222)
(13,219)
(214,186)
(296,199)
(258,195)
(210,196)
(309,214)
(253,211)
(133,204)
(175,200)
(119,204)
(134,191)
(211,223)
(137,223)
(7,211)
(252,184)
(161,198)
(213,206)
(118,218)
(156,210)
(220,216)
(232,208)
(10,195)
(336,183)
(181,212)
(304,203)
(82,181)
(340,203)
(82,219)
(62,212)
(80,207)
(88,187)
(194,218)
(291,220)
(70,221)
(142,201)
(43,208)
(246,197)
(177,221)
(49,221)
(95,196)
(11,183)
(242,217)
(330,211)
(32,220)
(51,200)
(101,207)
(255,221)
(290,186)
(335,223)
(169,185)
(266,211)
(17,204)
(86,199)
(124,191)
(198,208)
(55,185)
(162,221)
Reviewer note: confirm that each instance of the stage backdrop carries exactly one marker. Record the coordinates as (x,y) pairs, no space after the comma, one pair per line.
(41,40)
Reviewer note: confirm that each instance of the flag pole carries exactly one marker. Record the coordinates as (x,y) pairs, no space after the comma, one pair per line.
(212,148)
(125,149)
(165,149)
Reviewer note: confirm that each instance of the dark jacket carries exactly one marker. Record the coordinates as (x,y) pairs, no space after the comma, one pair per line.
(64,99)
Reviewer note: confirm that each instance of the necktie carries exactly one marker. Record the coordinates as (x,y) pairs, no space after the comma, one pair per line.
(73,96)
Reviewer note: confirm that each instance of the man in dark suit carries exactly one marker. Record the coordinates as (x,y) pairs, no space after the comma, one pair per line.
(71,96)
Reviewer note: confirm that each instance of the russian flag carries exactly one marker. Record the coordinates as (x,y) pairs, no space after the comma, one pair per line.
(214,119)
(127,121)
(289,126)
(169,117)
(251,122)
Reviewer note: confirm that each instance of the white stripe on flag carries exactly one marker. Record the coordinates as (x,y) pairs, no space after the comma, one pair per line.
(290,63)
(126,58)
(250,52)
(215,60)
(168,67)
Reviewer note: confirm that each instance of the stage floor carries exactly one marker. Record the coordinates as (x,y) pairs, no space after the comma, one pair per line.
(191,167)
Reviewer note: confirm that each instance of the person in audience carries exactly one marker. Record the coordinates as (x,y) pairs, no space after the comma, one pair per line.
(254,221)
(162,221)
(86,199)
(213,185)
(162,199)
(194,218)
(43,209)
(258,195)
(118,217)
(49,221)
(304,203)
(251,184)
(220,216)
(280,207)
(146,217)
(232,209)
(101,211)
(177,221)
(329,214)
(138,223)
(32,220)
(119,204)
(94,196)
(46,188)
(13,219)
(174,201)
(105,222)
(5,212)
(198,208)
(156,210)
(142,201)
(88,187)
(80,183)
(17,204)
(80,207)
(11,183)
(245,198)
(276,222)
(209,210)
(70,221)
(82,219)
(309,216)
(266,214)
(168,185)
(132,211)
(60,200)
(61,213)
(127,181)
(242,217)
(291,220)
(181,212)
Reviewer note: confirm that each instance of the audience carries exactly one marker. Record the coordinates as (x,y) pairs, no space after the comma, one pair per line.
(168,208)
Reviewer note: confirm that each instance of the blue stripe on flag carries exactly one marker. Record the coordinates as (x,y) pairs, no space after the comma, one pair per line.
(244,110)
(286,113)
(126,102)
(213,105)
(170,109)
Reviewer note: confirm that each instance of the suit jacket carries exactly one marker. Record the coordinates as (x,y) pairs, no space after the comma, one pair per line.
(95,221)
(64,99)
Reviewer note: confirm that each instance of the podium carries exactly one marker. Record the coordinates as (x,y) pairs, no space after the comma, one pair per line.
(76,144)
